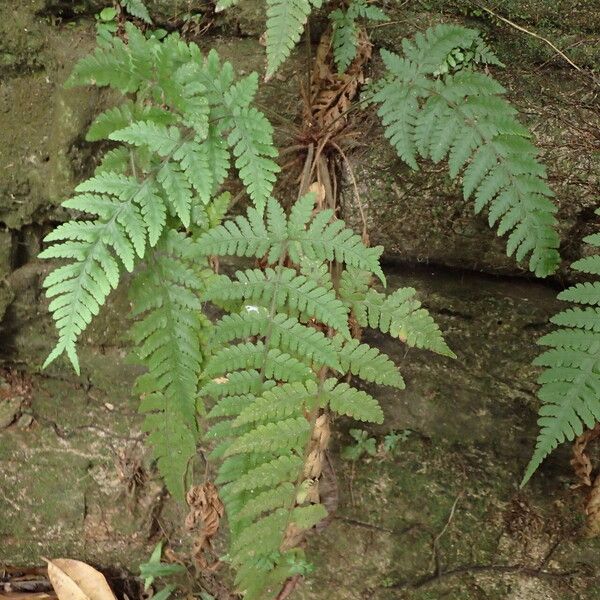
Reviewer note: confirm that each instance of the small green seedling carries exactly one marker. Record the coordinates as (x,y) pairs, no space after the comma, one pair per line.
(364,445)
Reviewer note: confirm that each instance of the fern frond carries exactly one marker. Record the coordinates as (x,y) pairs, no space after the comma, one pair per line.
(285,333)
(353,286)
(280,403)
(267,475)
(251,139)
(462,116)
(268,501)
(570,382)
(158,138)
(268,530)
(79,289)
(237,383)
(109,65)
(275,364)
(346,400)
(368,363)
(168,341)
(345,30)
(137,9)
(172,439)
(288,434)
(178,191)
(334,241)
(344,39)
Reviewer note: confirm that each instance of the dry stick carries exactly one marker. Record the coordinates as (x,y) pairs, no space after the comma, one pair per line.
(435,558)
(365,233)
(531,33)
(474,569)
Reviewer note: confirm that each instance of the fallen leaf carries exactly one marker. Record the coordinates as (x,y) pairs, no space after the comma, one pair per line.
(75,580)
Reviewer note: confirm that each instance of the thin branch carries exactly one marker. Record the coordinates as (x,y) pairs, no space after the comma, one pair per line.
(532,34)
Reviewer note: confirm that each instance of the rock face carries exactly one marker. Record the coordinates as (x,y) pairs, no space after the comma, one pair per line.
(442,516)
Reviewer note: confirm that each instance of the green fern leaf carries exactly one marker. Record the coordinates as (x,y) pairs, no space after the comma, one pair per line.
(245,356)
(79,289)
(177,190)
(172,439)
(268,475)
(400,314)
(344,38)
(237,383)
(346,400)
(230,406)
(268,501)
(252,142)
(286,289)
(158,138)
(570,382)
(279,403)
(168,338)
(287,434)
(137,9)
(285,22)
(461,116)
(116,160)
(285,333)
(368,363)
(306,517)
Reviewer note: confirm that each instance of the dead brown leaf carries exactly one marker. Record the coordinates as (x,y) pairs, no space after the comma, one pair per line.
(76,580)
(206,511)
(581,463)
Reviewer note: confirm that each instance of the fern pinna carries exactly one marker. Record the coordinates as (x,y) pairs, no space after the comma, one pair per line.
(570,382)
(184,120)
(434,104)
(345,34)
(277,370)
(285,23)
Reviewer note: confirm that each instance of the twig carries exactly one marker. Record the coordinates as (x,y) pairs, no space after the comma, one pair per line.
(374,527)
(531,33)
(471,569)
(365,235)
(435,561)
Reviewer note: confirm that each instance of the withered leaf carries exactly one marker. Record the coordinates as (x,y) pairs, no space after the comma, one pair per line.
(76,580)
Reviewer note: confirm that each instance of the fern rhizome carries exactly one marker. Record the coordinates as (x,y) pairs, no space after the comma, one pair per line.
(262,384)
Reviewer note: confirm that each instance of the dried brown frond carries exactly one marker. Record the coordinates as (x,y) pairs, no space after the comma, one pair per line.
(204,517)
